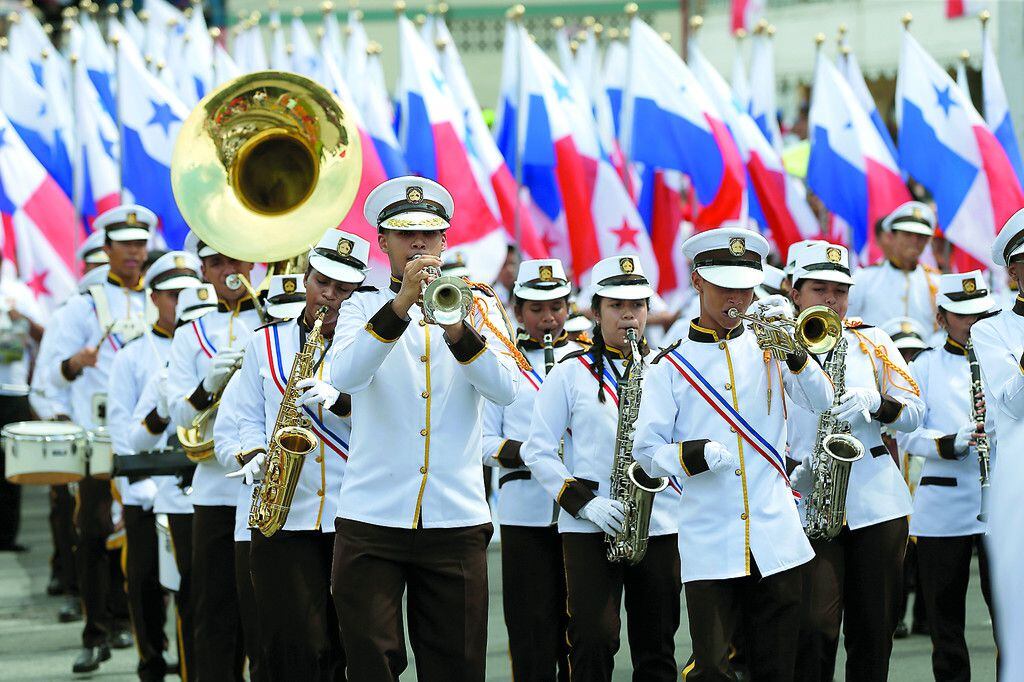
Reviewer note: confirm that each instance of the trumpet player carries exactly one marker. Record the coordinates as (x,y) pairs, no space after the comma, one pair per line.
(999,344)
(411,511)
(948,520)
(855,577)
(532,570)
(204,354)
(579,402)
(713,416)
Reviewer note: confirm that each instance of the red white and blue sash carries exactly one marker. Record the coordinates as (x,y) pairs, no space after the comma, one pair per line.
(533,378)
(330,439)
(733,418)
(205,344)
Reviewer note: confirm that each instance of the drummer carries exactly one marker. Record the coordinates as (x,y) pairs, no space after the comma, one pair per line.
(96,325)
(131,369)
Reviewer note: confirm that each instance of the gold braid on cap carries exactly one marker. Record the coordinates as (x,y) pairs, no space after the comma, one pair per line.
(505,338)
(890,367)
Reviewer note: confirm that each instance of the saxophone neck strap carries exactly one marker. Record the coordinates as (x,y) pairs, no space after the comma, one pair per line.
(724,409)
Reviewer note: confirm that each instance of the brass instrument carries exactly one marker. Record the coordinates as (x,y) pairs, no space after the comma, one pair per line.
(291,442)
(197,438)
(237,280)
(835,451)
(981,444)
(446,300)
(264,165)
(817,330)
(630,485)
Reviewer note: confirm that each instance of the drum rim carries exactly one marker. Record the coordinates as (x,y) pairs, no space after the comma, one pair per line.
(74,432)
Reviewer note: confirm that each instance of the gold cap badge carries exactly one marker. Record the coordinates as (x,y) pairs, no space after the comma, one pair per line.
(833,255)
(917,213)
(907,328)
(414,194)
(288,286)
(179,262)
(546,273)
(737,246)
(626,265)
(202,294)
(132,219)
(969,286)
(345,246)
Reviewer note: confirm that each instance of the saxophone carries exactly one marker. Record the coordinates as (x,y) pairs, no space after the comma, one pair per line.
(978,417)
(835,451)
(291,442)
(630,485)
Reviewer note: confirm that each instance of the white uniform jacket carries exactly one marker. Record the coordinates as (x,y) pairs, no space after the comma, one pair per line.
(107,305)
(522,501)
(725,517)
(48,397)
(226,445)
(147,431)
(877,491)
(194,347)
(568,404)
(14,295)
(883,292)
(269,356)
(417,403)
(948,497)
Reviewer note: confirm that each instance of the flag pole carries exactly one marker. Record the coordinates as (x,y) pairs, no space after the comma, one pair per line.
(116,42)
(516,15)
(76,162)
(625,139)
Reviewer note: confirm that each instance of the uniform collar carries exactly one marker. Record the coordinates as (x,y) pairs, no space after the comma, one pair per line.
(161,332)
(118,282)
(244,303)
(1018,305)
(616,354)
(703,335)
(529,343)
(396,284)
(899,269)
(953,347)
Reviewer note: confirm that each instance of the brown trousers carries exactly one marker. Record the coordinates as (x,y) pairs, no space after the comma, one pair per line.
(534,597)
(181,544)
(762,612)
(93,524)
(248,611)
(146,604)
(944,572)
(857,580)
(217,638)
(445,571)
(596,588)
(62,530)
(299,636)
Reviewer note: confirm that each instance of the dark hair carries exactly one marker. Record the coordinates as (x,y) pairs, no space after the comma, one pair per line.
(517,302)
(598,338)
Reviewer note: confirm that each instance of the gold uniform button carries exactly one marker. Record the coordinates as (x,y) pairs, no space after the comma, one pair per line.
(424,395)
(423,432)
(732,430)
(423,323)
(320,493)
(423,358)
(722,345)
(319,459)
(423,470)
(743,516)
(728,386)
(739,472)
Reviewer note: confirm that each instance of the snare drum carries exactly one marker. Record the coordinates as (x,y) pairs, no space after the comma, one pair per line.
(168,568)
(44,453)
(101,454)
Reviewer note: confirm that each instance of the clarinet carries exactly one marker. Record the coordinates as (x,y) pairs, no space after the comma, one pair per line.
(549,353)
(978,417)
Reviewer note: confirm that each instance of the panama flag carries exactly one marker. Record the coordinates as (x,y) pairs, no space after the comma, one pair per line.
(850,167)
(956,9)
(946,146)
(431,131)
(668,122)
(850,68)
(99,63)
(40,231)
(151,117)
(762,88)
(997,108)
(99,186)
(780,206)
(745,14)
(372,100)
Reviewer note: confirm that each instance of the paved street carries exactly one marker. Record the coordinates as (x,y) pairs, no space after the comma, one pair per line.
(33,646)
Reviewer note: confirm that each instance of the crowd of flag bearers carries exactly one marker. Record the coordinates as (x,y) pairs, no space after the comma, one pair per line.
(388,530)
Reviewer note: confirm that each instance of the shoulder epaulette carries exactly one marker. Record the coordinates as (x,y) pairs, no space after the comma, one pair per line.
(575,354)
(366,287)
(855,323)
(271,323)
(665,351)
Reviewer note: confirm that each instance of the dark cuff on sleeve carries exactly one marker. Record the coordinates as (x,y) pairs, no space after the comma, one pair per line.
(946,446)
(200,398)
(1021,362)
(343,405)
(797,361)
(244,458)
(508,454)
(574,495)
(469,347)
(65,370)
(154,423)
(691,456)
(385,325)
(888,411)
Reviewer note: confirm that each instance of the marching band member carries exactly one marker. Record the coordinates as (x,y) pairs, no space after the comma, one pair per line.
(129,373)
(856,578)
(899,286)
(713,415)
(532,570)
(204,355)
(291,569)
(411,511)
(581,398)
(95,327)
(999,344)
(947,506)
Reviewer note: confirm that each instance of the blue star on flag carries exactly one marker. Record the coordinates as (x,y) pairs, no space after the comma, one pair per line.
(561,89)
(162,116)
(3,142)
(438,80)
(944,99)
(108,145)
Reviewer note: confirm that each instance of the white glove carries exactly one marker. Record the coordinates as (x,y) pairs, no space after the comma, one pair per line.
(220,369)
(163,409)
(316,392)
(801,480)
(606,514)
(964,439)
(775,305)
(857,401)
(720,458)
(253,471)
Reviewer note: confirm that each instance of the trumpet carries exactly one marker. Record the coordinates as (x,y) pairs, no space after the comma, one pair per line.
(446,300)
(817,330)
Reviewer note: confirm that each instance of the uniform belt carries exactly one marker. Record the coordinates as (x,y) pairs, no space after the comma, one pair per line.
(514,476)
(944,481)
(879,450)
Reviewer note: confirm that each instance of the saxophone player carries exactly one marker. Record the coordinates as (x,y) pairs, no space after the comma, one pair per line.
(411,511)
(947,519)
(580,402)
(291,569)
(713,416)
(532,570)
(856,577)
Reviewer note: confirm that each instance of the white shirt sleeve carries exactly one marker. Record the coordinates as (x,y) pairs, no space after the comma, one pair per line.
(653,443)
